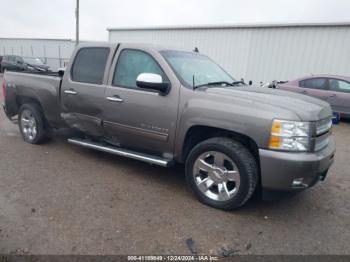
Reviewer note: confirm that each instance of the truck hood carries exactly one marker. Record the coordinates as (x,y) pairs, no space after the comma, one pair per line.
(305,107)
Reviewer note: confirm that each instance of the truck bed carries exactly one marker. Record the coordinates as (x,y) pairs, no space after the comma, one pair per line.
(44,87)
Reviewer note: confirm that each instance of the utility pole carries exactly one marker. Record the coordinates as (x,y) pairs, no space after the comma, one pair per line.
(77,23)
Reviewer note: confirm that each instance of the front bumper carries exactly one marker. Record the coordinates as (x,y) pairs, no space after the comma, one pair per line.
(280,169)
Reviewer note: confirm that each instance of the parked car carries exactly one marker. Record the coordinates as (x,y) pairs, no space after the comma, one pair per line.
(164,106)
(333,89)
(18,63)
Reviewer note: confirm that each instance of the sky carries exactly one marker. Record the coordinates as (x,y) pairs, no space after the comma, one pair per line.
(56,19)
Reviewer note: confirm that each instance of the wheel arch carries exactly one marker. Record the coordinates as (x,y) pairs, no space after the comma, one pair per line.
(198,133)
(22,99)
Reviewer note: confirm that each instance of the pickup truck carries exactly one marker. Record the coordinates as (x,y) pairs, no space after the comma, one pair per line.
(166,106)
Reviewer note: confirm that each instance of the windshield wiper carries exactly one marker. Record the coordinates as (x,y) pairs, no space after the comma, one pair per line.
(215,84)
(238,82)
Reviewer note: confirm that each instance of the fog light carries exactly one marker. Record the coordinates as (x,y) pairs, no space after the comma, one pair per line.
(299,183)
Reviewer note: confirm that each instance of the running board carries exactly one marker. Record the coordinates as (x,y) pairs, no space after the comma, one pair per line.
(122,152)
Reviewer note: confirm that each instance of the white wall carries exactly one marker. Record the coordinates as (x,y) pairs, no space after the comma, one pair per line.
(260,53)
(55,52)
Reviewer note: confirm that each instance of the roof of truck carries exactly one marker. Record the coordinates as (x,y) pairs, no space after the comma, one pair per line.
(138,45)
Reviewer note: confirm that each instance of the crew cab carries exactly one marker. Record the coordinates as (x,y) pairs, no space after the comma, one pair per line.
(166,106)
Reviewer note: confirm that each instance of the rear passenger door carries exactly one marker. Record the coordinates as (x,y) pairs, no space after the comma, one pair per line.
(82,94)
(315,87)
(339,95)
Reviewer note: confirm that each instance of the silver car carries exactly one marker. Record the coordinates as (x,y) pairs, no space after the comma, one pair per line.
(331,88)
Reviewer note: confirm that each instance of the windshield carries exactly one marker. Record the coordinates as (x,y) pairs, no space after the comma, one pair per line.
(32,61)
(193,67)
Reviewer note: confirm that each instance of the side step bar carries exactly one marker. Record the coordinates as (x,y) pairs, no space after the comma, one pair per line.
(122,152)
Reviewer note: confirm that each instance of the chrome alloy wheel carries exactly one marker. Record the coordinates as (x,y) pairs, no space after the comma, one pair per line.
(28,124)
(216,176)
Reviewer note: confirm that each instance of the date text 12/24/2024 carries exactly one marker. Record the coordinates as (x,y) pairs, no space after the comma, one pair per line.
(173,258)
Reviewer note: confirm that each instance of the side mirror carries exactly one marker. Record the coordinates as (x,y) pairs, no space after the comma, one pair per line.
(61,72)
(152,81)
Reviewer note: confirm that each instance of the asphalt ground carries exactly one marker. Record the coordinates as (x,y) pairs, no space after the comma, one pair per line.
(59,198)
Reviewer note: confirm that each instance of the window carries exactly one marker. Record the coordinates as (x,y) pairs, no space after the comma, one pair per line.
(131,64)
(89,65)
(314,83)
(339,85)
(32,61)
(18,59)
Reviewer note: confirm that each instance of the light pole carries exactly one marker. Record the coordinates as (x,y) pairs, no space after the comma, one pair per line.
(77,23)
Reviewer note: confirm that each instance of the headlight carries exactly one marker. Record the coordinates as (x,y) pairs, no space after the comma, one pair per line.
(290,135)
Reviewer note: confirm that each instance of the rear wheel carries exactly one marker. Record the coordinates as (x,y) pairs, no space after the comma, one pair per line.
(222,173)
(32,124)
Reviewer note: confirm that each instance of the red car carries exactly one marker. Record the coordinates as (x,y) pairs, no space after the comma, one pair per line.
(331,88)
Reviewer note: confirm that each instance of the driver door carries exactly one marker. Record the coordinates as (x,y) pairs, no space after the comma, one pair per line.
(136,118)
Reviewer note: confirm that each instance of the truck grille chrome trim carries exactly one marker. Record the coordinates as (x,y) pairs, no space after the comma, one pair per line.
(323,126)
(322,142)
(122,152)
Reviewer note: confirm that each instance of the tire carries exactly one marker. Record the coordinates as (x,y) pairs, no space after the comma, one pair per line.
(32,124)
(239,171)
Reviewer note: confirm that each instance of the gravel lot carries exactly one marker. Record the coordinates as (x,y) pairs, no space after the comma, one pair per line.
(58,198)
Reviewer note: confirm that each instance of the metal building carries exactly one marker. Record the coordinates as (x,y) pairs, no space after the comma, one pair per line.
(53,52)
(257,52)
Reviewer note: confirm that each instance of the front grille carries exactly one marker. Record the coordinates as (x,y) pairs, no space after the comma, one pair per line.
(323,126)
(321,142)
(323,131)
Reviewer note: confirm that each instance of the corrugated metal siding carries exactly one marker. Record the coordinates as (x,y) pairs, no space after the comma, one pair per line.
(259,54)
(55,52)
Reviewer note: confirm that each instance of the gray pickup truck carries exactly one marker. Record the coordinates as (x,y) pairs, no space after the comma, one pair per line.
(164,106)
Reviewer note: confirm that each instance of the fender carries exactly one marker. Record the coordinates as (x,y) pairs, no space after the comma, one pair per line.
(240,118)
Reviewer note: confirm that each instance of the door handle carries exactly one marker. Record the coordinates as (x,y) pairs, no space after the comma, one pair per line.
(304,92)
(115,99)
(70,92)
(332,95)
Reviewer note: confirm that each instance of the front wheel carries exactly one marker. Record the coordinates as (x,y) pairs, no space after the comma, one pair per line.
(32,124)
(222,173)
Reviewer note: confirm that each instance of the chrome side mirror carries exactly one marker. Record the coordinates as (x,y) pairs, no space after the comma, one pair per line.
(152,81)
